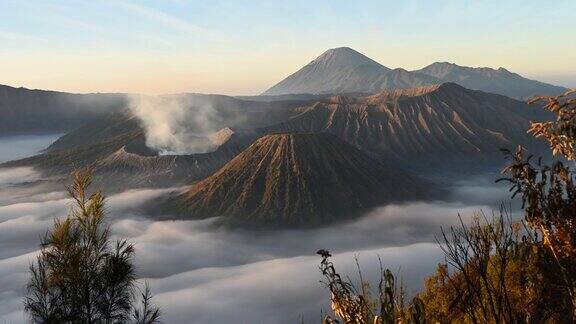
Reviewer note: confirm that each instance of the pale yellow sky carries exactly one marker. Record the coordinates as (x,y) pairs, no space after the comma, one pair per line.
(219,47)
(250,73)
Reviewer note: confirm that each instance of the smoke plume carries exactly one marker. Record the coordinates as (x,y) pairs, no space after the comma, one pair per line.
(180,124)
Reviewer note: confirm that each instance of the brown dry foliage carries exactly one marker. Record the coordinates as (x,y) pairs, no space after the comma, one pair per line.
(495,272)
(354,305)
(548,192)
(560,133)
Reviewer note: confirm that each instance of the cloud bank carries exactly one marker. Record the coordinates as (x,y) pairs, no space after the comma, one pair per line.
(281,290)
(195,269)
(13,176)
(202,274)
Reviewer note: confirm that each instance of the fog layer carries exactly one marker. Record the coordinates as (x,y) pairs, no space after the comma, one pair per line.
(203,274)
(15,147)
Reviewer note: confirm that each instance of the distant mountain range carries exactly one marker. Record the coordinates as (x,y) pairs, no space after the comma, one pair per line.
(294,180)
(500,81)
(426,128)
(344,70)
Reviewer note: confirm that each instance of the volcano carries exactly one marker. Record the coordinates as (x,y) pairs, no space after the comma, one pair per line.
(295,180)
(344,70)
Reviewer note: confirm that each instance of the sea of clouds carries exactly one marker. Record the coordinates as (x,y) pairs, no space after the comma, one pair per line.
(203,274)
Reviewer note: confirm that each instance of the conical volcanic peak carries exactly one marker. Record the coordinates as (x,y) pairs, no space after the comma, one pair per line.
(342,57)
(338,70)
(297,180)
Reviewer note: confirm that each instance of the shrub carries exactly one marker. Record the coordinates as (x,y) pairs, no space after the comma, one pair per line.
(81,276)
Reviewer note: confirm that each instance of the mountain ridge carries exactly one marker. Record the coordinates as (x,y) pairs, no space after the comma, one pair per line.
(430,122)
(32,111)
(499,81)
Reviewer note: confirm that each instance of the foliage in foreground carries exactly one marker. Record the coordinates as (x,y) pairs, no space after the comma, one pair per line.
(496,271)
(353,304)
(549,195)
(81,276)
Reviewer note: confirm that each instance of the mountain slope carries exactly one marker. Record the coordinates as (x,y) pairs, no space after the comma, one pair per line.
(125,168)
(26,111)
(343,70)
(296,180)
(434,122)
(105,128)
(124,161)
(500,81)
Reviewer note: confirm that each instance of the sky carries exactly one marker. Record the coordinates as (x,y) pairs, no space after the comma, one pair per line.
(243,47)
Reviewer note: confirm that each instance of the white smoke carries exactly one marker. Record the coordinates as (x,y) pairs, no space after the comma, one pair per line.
(178,124)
